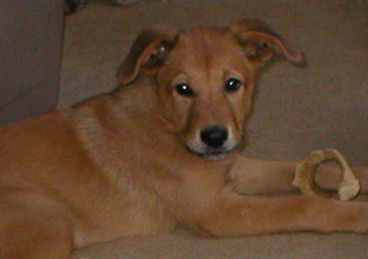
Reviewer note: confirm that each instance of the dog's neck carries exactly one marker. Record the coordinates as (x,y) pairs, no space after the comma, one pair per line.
(132,110)
(137,103)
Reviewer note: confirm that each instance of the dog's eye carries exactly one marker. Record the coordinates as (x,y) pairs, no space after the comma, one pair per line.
(232,85)
(184,89)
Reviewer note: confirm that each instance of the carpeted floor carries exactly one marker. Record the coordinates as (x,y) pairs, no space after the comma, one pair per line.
(324,104)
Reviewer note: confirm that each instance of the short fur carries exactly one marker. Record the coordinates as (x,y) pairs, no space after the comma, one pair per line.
(132,162)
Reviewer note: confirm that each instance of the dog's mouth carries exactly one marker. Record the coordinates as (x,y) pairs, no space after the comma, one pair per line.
(212,154)
(215,156)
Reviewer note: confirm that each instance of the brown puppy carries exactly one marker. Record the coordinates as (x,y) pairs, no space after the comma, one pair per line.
(161,149)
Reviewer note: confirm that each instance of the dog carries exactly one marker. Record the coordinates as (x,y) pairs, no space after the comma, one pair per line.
(162,149)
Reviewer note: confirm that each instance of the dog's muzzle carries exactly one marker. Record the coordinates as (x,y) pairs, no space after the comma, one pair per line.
(212,145)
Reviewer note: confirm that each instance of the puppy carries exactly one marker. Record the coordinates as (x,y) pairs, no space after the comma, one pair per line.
(161,149)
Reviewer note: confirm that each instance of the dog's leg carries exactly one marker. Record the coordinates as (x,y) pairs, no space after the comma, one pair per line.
(252,176)
(28,230)
(237,215)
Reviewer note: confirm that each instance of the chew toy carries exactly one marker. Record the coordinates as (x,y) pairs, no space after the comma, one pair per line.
(306,170)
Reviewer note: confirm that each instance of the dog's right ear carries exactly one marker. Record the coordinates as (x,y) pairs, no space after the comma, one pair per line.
(149,50)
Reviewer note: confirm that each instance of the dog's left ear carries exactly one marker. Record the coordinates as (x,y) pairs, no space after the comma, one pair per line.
(149,50)
(259,42)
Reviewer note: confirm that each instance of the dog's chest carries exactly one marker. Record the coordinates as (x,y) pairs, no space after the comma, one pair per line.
(157,186)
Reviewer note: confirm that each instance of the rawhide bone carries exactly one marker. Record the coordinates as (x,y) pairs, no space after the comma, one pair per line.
(306,170)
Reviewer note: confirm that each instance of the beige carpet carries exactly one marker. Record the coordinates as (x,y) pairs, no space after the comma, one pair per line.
(297,109)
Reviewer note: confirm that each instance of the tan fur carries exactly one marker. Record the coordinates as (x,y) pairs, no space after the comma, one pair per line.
(120,164)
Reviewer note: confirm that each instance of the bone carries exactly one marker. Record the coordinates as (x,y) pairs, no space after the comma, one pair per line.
(305,172)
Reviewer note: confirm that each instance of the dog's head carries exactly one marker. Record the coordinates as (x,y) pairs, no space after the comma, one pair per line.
(204,78)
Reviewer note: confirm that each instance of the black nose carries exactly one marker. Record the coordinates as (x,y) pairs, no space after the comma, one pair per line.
(214,136)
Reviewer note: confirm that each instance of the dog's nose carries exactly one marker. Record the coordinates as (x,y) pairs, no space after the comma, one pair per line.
(214,136)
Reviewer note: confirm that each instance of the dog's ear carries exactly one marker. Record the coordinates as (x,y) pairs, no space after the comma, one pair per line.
(149,50)
(260,43)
